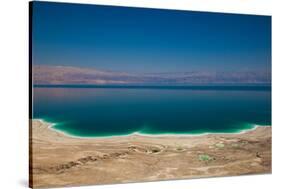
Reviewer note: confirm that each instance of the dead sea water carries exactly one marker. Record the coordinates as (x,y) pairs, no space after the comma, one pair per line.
(92,111)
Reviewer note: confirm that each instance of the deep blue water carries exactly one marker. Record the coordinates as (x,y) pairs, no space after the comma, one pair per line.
(90,111)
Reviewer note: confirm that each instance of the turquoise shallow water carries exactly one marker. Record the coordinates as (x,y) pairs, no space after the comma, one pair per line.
(90,111)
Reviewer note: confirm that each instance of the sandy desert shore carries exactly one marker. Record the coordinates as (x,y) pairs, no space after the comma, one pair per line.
(59,160)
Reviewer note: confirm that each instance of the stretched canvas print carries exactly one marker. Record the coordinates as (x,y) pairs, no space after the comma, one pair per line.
(122,94)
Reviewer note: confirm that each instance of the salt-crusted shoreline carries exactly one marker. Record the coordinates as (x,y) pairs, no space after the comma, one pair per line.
(50,126)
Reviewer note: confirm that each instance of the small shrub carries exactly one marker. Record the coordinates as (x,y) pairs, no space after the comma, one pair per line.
(205,157)
(219,145)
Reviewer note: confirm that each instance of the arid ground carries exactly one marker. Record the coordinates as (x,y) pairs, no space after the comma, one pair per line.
(60,160)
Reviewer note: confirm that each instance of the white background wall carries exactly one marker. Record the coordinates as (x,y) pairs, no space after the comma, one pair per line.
(14,91)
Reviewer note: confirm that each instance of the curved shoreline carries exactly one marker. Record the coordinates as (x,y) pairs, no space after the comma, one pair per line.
(137,133)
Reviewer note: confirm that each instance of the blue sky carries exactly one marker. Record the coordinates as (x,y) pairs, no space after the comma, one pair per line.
(149,40)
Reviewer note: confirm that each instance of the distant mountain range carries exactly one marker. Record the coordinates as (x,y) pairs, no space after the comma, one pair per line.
(43,75)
